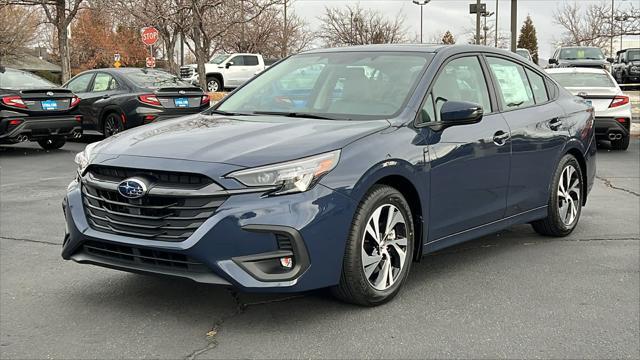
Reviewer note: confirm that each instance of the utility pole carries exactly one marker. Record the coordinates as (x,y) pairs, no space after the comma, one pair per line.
(514,24)
(496,45)
(478,22)
(284,32)
(611,28)
(422,3)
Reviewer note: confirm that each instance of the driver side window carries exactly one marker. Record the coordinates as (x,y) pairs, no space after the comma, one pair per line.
(461,79)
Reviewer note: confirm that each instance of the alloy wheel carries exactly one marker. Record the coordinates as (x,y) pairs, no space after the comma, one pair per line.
(569,195)
(212,86)
(111,126)
(384,247)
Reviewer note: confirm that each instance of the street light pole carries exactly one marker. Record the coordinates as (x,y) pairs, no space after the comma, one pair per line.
(478,22)
(514,28)
(421,3)
(496,23)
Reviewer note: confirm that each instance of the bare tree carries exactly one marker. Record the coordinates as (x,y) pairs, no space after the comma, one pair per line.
(18,27)
(592,25)
(354,25)
(60,13)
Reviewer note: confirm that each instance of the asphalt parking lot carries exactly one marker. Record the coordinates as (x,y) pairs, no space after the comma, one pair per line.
(509,295)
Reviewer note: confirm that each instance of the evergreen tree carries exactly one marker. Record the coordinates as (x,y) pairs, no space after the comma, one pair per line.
(528,38)
(448,39)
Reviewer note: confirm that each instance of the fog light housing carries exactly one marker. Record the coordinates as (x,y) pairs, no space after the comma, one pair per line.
(286,262)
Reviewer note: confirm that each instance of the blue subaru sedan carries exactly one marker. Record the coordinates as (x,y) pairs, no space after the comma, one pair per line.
(337,168)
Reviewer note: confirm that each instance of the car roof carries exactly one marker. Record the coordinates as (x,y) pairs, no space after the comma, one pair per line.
(419,48)
(580,47)
(583,70)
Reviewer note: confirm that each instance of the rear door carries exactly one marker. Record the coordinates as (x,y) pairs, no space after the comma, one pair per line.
(103,87)
(538,134)
(469,163)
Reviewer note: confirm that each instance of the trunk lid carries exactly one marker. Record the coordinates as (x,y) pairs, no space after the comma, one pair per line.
(46,100)
(600,97)
(180,98)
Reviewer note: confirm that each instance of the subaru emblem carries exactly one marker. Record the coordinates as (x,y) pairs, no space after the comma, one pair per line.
(182,92)
(582,94)
(50,93)
(132,188)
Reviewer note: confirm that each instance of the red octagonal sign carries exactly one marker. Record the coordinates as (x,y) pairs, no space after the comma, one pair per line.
(150,35)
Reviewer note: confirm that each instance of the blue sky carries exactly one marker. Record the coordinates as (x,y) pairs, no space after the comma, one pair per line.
(453,15)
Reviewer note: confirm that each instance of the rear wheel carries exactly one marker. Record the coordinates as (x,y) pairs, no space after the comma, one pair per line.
(565,200)
(112,125)
(379,249)
(52,143)
(622,144)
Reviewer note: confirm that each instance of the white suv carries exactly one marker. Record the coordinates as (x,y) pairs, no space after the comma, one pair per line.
(225,70)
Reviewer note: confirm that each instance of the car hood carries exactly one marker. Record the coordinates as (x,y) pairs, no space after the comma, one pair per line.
(244,141)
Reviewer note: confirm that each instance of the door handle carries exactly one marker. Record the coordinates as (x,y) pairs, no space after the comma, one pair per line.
(106,96)
(555,124)
(500,138)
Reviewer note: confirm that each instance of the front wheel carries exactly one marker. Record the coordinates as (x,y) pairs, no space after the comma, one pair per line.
(52,143)
(565,200)
(213,84)
(379,249)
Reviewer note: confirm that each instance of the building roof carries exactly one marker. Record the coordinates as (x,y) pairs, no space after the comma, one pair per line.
(30,63)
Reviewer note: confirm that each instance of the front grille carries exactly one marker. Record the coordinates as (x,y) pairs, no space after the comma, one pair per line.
(136,255)
(186,72)
(163,218)
(161,178)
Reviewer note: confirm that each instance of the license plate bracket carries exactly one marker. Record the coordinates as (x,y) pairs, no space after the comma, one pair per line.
(49,105)
(181,102)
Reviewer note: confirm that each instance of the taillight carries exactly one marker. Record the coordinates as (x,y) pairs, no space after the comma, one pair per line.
(619,100)
(74,101)
(14,101)
(149,99)
(205,100)
(15,122)
(621,120)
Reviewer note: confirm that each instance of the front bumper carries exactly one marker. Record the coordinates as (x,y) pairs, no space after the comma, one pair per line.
(239,245)
(35,128)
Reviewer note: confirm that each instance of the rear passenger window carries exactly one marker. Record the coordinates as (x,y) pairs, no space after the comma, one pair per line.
(250,60)
(513,83)
(537,86)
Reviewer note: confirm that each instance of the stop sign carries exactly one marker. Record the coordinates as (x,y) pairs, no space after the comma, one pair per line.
(150,35)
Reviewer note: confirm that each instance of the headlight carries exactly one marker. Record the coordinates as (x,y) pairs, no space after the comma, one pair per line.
(289,177)
(83,159)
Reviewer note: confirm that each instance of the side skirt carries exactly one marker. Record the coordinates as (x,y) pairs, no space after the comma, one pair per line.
(490,228)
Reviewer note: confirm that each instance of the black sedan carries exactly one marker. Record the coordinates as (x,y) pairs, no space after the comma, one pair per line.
(34,109)
(117,99)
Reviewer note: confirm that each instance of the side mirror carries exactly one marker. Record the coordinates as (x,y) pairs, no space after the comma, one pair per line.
(553,61)
(229,64)
(610,59)
(460,112)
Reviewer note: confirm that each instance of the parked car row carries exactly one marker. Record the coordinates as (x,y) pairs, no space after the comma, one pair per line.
(625,67)
(105,100)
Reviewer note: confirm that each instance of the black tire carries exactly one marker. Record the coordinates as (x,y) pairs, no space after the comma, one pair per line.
(112,124)
(213,84)
(354,286)
(52,143)
(553,224)
(622,144)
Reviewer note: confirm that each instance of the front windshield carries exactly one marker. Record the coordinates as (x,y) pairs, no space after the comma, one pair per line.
(581,80)
(155,79)
(218,59)
(585,53)
(339,85)
(633,55)
(12,79)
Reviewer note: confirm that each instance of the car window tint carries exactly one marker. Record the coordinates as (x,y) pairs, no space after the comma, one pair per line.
(103,82)
(237,60)
(512,82)
(250,60)
(80,83)
(461,80)
(537,86)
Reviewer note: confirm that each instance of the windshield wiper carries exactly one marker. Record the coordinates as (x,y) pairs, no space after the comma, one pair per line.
(294,115)
(227,113)
(512,104)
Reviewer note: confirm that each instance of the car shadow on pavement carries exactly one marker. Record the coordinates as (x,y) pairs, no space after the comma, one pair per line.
(131,294)
(18,151)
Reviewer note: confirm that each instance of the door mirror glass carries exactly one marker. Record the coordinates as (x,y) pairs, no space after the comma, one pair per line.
(229,64)
(610,60)
(553,61)
(460,112)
